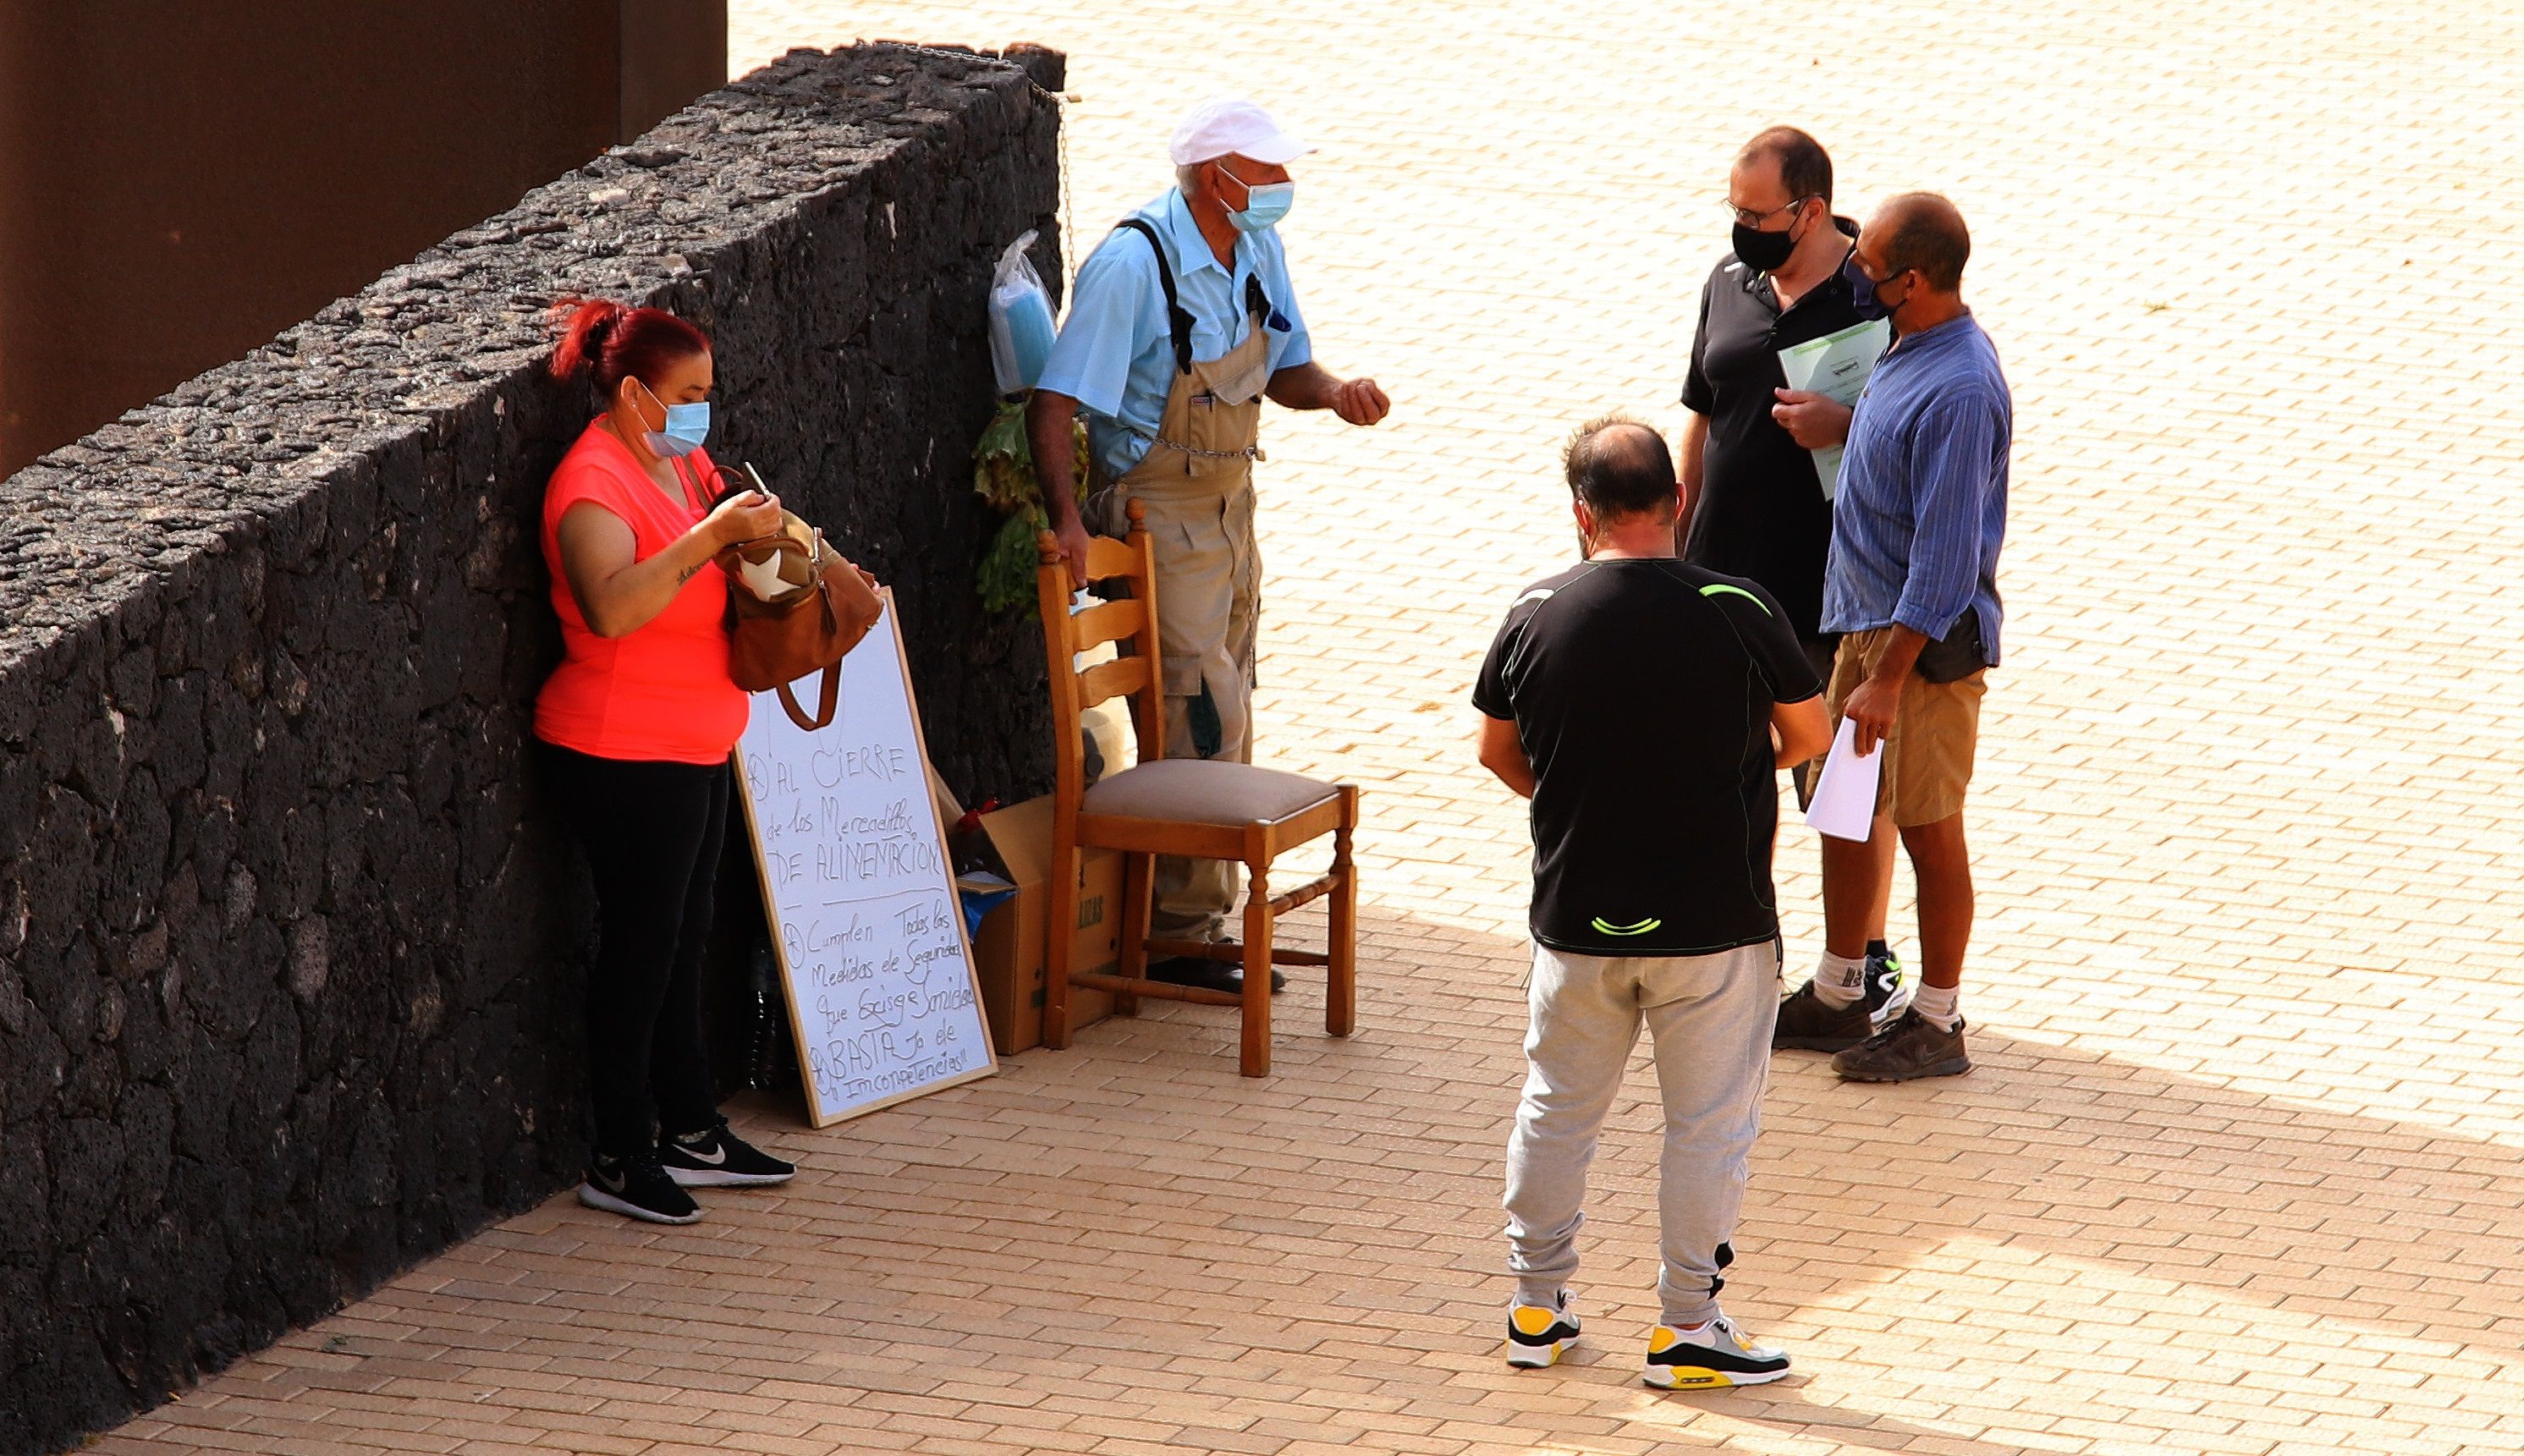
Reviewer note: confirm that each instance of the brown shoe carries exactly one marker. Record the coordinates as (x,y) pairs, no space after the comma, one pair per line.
(1909,1048)
(1808,1023)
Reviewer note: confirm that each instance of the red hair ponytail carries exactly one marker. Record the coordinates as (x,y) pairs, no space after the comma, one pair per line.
(602,337)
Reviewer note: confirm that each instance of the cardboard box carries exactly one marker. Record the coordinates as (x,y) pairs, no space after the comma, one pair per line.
(1010,949)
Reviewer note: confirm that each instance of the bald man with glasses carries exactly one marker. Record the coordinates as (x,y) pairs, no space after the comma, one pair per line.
(1913,589)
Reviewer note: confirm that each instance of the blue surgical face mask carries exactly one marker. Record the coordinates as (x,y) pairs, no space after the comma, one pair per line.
(687,427)
(1264,204)
(1268,203)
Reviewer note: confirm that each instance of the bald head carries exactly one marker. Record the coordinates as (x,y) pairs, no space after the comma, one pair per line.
(1921,231)
(1804,168)
(1618,467)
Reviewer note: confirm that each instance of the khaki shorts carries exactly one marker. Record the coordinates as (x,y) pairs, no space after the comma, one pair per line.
(1820,656)
(1928,755)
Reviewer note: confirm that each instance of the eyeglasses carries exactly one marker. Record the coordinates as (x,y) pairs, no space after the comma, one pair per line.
(1750,219)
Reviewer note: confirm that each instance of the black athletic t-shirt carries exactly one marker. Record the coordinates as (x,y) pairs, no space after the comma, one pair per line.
(1762,514)
(1641,690)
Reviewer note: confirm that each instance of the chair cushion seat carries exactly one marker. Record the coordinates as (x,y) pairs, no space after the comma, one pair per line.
(1205,791)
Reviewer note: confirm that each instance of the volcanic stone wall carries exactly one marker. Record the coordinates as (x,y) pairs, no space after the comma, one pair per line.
(290,952)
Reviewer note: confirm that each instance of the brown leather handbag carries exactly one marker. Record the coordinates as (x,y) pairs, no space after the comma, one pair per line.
(793,606)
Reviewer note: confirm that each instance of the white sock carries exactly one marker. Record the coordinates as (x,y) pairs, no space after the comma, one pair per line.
(1936,1005)
(1840,980)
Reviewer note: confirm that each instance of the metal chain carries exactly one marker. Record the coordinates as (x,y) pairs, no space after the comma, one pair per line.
(1068,226)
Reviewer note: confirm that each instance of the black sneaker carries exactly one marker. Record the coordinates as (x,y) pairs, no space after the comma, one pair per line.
(1808,1023)
(718,1159)
(1888,991)
(1214,975)
(1911,1047)
(637,1187)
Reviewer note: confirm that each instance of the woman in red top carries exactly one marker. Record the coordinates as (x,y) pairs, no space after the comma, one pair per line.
(635,727)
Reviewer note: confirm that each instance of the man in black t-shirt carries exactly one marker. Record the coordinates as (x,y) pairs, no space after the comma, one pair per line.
(1644,706)
(1755,505)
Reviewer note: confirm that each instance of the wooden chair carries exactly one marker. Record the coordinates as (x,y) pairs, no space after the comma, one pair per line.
(1204,809)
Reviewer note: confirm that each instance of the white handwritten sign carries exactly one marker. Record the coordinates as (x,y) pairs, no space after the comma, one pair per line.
(859,892)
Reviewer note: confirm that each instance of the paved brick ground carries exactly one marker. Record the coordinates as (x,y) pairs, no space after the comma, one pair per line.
(2241,1168)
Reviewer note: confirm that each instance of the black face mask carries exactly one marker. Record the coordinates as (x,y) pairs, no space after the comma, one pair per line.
(1764,252)
(1892,310)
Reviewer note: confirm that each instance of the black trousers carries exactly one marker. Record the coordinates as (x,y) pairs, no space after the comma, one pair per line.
(652,831)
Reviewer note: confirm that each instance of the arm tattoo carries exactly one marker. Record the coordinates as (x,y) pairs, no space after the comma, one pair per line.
(690,571)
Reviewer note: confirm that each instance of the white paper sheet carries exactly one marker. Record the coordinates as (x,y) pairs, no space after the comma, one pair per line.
(1844,797)
(1835,365)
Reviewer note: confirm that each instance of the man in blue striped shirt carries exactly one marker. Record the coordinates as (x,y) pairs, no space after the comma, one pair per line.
(1911,583)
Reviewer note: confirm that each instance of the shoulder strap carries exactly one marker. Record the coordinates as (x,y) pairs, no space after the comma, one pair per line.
(689,477)
(824,705)
(1178,318)
(699,486)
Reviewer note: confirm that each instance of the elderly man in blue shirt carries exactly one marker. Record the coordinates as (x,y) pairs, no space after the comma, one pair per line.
(1912,582)
(1180,324)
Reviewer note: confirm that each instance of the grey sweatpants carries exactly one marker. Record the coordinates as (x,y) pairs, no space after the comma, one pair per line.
(1709,1019)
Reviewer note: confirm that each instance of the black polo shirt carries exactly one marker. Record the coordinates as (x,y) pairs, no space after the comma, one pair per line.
(1641,692)
(1761,513)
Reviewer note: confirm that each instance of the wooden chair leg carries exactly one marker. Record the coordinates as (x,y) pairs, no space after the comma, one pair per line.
(1256,1059)
(1138,890)
(1060,922)
(1340,990)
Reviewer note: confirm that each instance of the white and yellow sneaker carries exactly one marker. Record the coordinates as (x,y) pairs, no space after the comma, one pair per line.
(1715,1355)
(1536,1334)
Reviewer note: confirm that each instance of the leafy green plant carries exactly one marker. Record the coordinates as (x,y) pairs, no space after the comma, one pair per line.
(1006,577)
(1004,474)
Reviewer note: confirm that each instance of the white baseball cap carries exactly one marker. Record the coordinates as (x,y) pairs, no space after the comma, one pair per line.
(1216,128)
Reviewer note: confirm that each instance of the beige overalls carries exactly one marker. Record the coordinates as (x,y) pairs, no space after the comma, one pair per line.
(1197,487)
